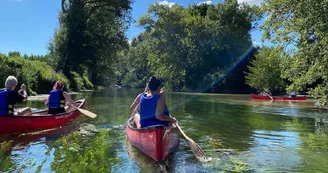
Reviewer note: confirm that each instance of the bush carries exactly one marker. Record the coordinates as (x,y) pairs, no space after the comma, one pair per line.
(38,76)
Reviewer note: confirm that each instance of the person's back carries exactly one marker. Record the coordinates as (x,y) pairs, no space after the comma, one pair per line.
(56,102)
(5,108)
(148,111)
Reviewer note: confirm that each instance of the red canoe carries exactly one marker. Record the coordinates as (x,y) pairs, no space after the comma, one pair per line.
(156,142)
(255,96)
(39,121)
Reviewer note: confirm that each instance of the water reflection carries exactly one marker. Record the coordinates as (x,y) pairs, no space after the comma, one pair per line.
(238,133)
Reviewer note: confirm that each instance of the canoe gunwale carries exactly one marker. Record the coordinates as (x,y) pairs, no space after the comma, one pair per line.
(48,115)
(148,128)
(38,121)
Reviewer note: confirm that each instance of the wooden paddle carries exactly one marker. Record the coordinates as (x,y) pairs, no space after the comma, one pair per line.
(85,112)
(268,95)
(195,148)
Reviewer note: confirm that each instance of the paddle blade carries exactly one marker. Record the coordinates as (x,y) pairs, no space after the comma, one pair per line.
(87,113)
(197,150)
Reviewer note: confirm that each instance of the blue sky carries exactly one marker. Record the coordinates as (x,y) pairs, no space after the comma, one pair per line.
(28,25)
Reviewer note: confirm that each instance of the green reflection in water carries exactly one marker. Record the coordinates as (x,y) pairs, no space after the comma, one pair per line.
(91,153)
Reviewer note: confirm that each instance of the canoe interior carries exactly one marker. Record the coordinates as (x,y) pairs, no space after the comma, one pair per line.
(39,121)
(156,142)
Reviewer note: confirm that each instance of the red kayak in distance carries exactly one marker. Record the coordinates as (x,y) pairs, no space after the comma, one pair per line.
(157,142)
(262,97)
(39,121)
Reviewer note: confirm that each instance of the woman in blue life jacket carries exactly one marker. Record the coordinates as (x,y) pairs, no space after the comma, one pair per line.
(57,99)
(9,97)
(153,110)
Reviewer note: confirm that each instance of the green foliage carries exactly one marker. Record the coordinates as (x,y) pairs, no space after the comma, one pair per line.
(91,34)
(87,83)
(36,75)
(303,26)
(136,61)
(78,81)
(189,46)
(14,54)
(266,70)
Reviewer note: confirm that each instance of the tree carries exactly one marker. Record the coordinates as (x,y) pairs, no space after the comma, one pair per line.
(189,46)
(14,54)
(137,64)
(266,70)
(90,36)
(302,26)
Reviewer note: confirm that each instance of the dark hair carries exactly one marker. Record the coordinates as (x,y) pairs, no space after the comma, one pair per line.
(153,83)
(58,86)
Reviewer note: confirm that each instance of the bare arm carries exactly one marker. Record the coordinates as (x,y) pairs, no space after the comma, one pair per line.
(23,94)
(68,98)
(160,109)
(135,103)
(46,101)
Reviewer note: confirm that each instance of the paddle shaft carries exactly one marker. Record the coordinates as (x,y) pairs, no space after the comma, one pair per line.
(83,111)
(268,95)
(181,131)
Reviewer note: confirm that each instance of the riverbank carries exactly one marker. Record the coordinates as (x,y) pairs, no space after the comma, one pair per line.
(38,75)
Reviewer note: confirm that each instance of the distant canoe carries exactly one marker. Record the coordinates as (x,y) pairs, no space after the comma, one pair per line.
(261,97)
(39,121)
(156,142)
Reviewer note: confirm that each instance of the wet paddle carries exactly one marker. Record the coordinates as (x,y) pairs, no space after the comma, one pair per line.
(195,148)
(85,112)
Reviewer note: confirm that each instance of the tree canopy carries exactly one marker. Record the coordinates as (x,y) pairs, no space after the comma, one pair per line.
(189,47)
(301,28)
(91,34)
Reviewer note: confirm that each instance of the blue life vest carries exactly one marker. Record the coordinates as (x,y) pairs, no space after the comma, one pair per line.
(56,99)
(148,111)
(5,108)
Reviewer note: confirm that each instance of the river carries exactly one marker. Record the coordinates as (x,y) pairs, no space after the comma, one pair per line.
(239,134)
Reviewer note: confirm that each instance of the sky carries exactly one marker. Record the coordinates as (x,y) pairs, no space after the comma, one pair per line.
(27,26)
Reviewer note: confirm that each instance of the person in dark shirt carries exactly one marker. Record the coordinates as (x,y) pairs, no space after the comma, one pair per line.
(9,98)
(22,90)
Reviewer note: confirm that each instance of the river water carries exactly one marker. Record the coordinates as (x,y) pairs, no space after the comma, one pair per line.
(239,134)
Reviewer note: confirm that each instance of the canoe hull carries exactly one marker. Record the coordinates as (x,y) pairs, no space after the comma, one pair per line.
(39,121)
(156,142)
(260,97)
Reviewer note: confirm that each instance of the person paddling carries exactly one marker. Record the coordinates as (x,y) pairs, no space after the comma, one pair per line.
(9,98)
(57,99)
(292,94)
(153,110)
(267,92)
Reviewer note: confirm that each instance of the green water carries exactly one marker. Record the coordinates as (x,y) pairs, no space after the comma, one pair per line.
(238,133)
